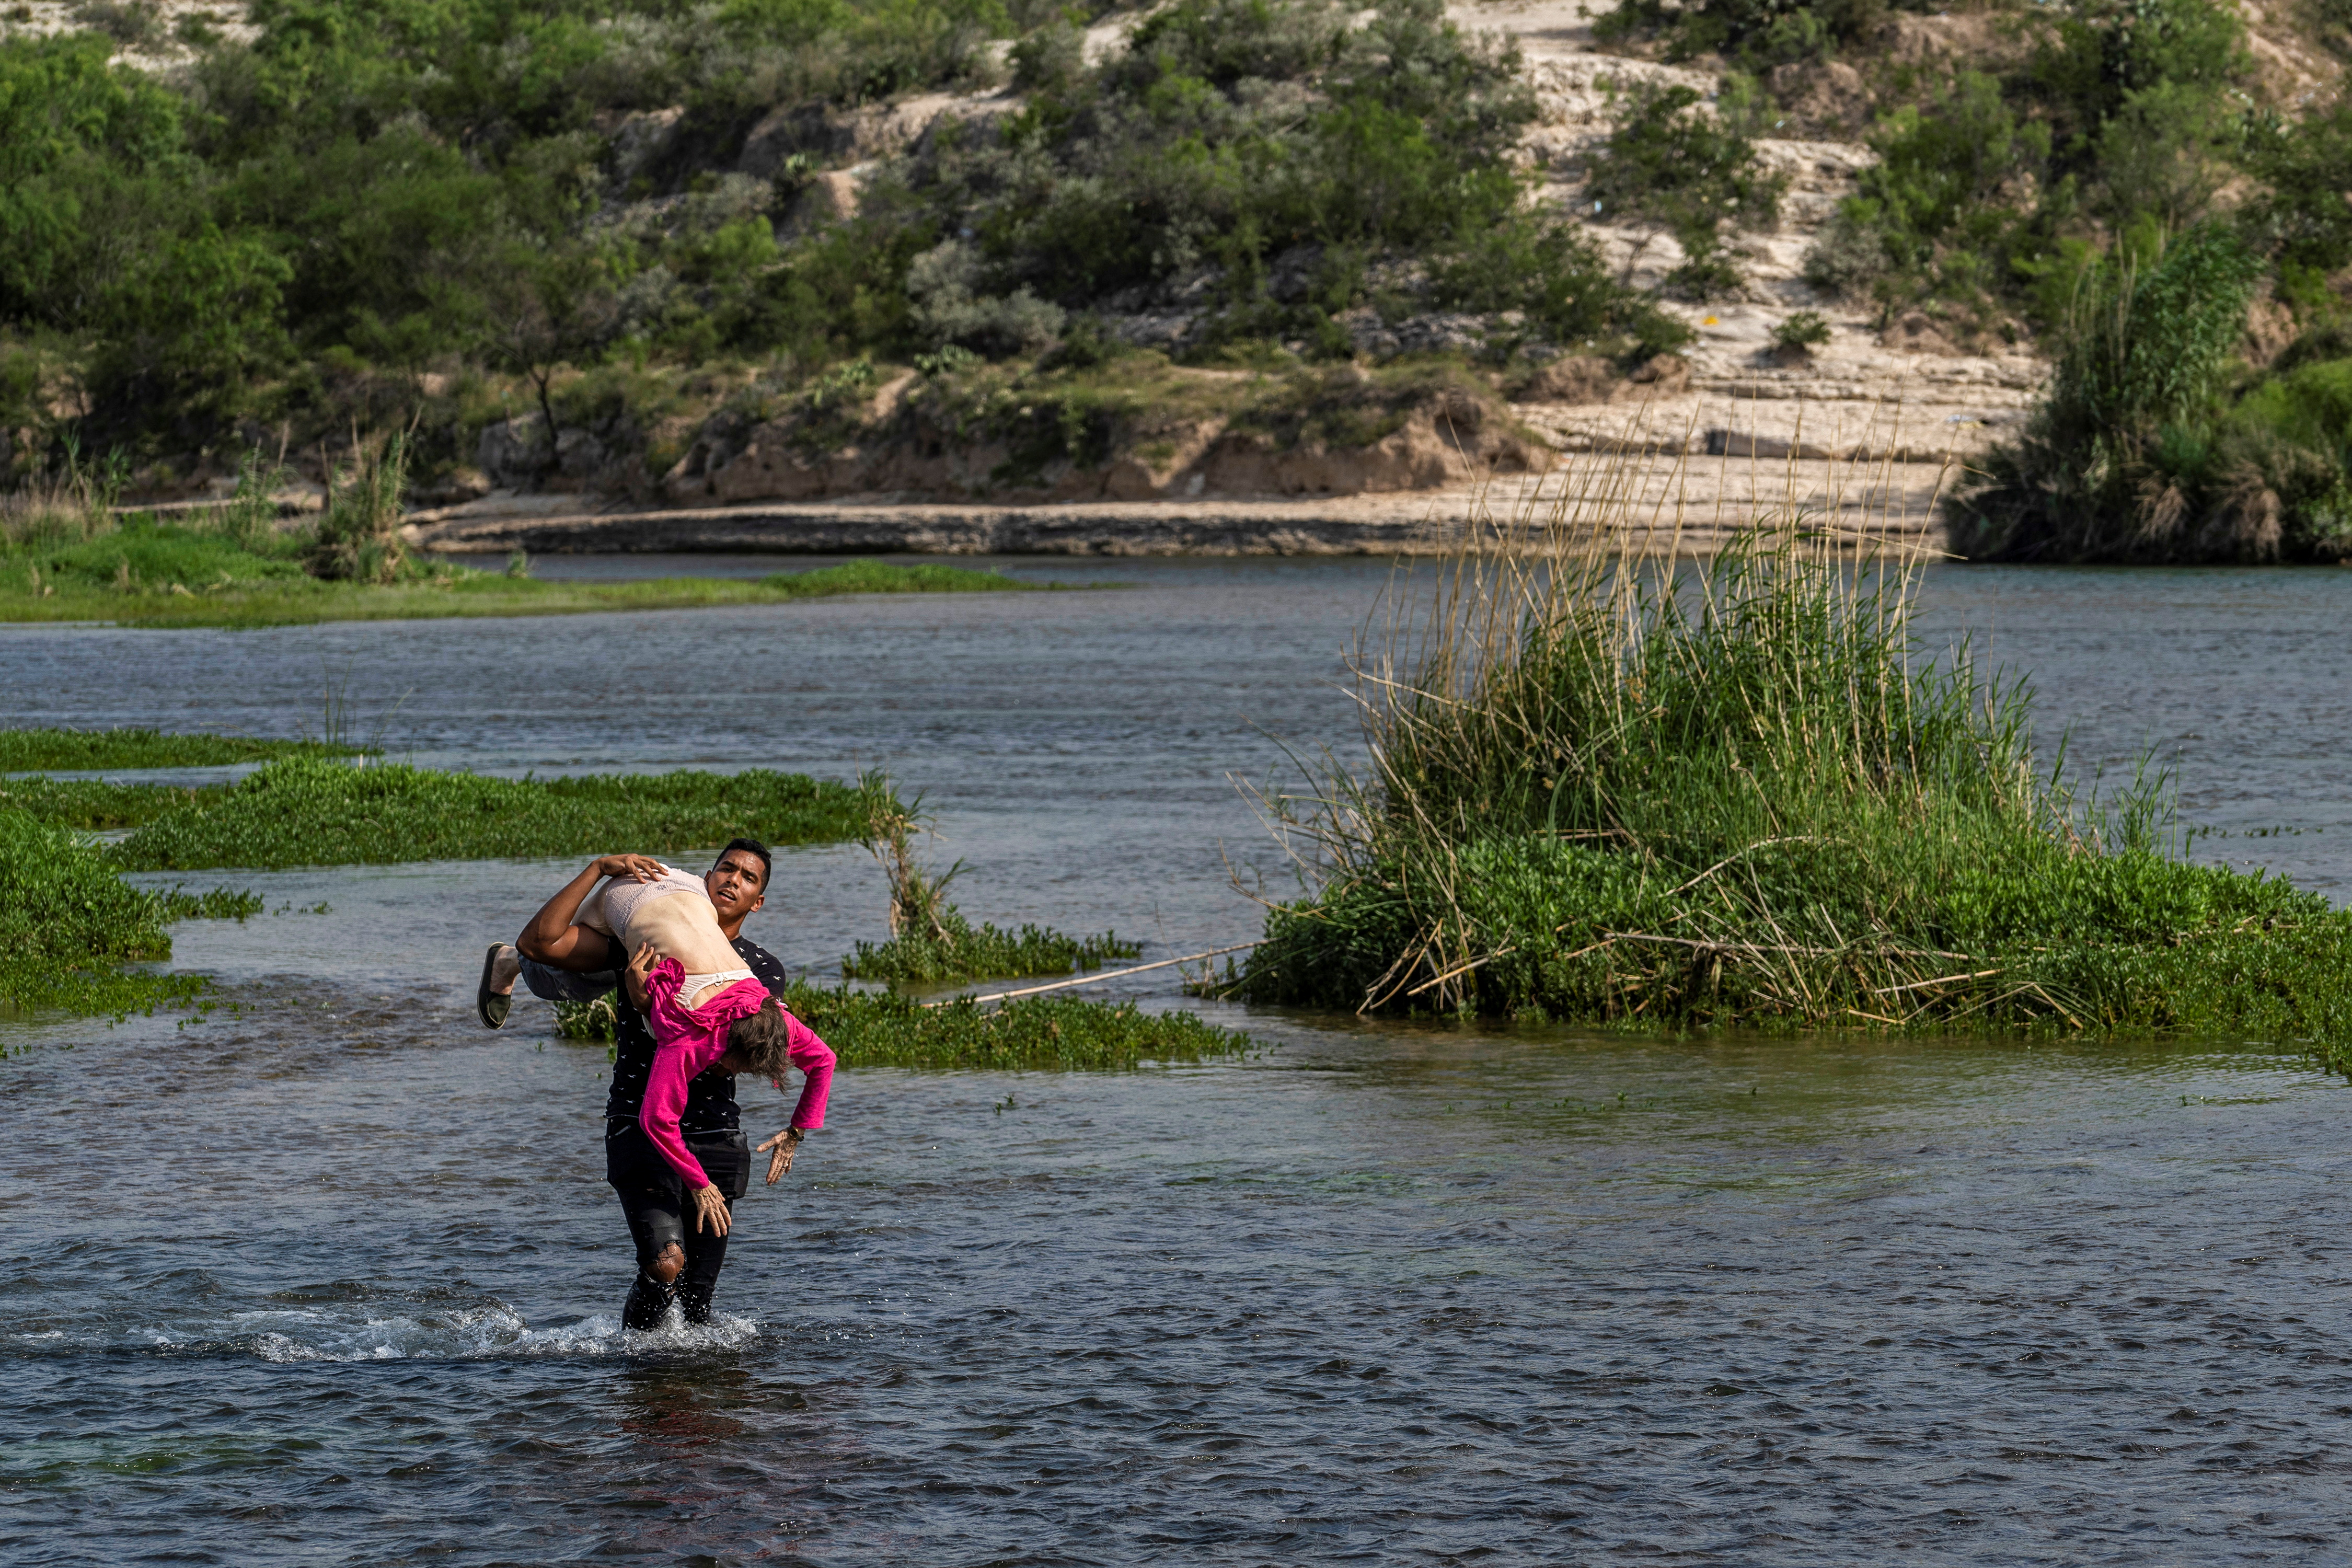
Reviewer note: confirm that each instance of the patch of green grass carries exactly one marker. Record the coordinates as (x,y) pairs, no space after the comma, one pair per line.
(28,592)
(305,811)
(145,556)
(876,1028)
(78,751)
(962,953)
(70,926)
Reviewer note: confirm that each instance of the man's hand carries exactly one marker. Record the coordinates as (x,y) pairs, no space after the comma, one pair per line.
(636,868)
(710,1211)
(641,964)
(780,1151)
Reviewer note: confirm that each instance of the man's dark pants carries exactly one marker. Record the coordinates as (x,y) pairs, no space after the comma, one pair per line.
(653,1195)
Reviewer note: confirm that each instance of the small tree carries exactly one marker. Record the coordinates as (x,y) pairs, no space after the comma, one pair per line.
(1689,172)
(543,308)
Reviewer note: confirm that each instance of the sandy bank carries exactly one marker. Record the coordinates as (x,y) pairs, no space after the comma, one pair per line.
(1690,503)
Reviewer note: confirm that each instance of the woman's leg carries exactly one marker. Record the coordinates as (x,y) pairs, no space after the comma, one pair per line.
(586,974)
(551,984)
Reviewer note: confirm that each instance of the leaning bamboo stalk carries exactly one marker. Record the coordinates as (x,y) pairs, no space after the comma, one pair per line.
(1091,979)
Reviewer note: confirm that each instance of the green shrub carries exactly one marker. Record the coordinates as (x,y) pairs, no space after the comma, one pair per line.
(2141,370)
(306,229)
(2299,212)
(1938,215)
(2097,57)
(357,539)
(1690,171)
(1802,329)
(1232,132)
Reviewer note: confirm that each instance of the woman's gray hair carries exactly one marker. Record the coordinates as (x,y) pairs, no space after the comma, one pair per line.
(761,1041)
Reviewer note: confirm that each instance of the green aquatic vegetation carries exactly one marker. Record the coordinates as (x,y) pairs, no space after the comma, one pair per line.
(873,1028)
(70,928)
(598,1020)
(882,577)
(116,577)
(876,1028)
(1737,792)
(306,810)
(954,950)
(86,751)
(144,558)
(93,804)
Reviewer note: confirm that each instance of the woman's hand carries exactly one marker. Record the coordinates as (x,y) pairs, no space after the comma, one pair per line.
(636,868)
(780,1151)
(710,1211)
(641,964)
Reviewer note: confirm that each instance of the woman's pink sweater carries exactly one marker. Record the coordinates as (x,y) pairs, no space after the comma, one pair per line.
(688,1042)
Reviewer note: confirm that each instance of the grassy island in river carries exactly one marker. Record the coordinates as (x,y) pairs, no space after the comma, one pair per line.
(147,572)
(73,933)
(71,925)
(1735,793)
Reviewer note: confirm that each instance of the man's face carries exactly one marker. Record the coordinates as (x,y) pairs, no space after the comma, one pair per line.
(737,884)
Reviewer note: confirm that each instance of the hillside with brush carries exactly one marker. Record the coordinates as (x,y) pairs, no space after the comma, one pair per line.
(670,254)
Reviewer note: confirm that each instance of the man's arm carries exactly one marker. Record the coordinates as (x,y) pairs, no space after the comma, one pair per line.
(553,940)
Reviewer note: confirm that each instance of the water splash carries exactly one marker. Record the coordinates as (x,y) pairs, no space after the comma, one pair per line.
(491,1330)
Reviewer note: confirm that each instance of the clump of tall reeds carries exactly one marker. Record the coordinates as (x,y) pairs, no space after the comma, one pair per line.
(918,906)
(67,507)
(1605,787)
(358,538)
(930,940)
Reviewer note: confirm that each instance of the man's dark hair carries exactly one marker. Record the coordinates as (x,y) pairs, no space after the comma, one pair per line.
(754,847)
(761,1040)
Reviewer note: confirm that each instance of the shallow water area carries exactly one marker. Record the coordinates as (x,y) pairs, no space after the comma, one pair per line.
(332,1275)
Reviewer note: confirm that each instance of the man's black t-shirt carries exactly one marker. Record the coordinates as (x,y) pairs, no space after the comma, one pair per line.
(710,1094)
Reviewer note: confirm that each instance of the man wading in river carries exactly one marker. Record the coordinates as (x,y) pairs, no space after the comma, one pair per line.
(675,1261)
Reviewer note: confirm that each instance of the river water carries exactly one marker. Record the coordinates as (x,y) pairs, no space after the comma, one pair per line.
(336,1279)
